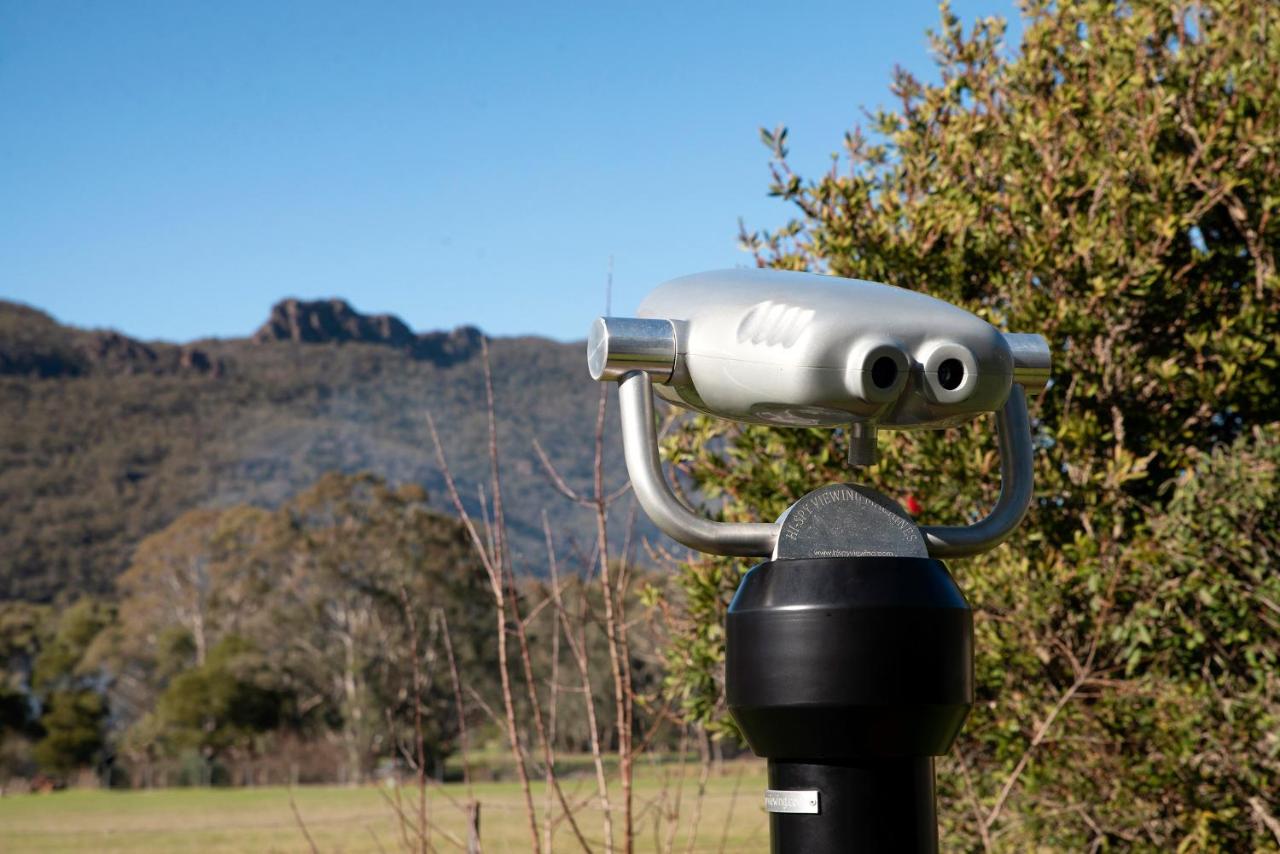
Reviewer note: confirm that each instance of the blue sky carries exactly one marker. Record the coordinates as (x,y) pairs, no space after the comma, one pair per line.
(170,169)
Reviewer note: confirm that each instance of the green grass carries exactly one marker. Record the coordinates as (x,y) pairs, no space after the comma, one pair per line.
(361,819)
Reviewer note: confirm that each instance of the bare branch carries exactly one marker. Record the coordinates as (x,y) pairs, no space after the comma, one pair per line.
(463,742)
(539,725)
(577,647)
(728,818)
(1041,732)
(476,541)
(1268,820)
(555,477)
(971,795)
(302,825)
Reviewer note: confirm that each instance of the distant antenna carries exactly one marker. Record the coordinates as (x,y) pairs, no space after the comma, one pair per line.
(608,290)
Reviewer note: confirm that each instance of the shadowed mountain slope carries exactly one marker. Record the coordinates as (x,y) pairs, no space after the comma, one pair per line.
(106,439)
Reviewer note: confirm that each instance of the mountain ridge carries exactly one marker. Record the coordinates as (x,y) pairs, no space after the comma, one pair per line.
(110,438)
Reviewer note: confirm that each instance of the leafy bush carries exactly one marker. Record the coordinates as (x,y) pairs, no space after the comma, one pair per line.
(1114,185)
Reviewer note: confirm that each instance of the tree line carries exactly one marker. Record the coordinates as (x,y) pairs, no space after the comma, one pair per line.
(238,632)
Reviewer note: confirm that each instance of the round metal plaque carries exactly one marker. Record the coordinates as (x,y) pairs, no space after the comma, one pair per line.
(847,520)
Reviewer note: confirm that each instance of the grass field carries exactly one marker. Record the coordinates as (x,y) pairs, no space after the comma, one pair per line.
(361,819)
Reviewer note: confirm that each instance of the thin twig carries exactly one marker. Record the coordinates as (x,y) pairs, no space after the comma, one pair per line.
(728,819)
(972,796)
(420,749)
(553,707)
(555,477)
(1041,732)
(615,638)
(302,825)
(376,840)
(463,742)
(539,725)
(494,564)
(704,775)
(1268,820)
(577,648)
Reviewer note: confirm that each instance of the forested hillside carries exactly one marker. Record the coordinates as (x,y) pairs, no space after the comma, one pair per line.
(106,439)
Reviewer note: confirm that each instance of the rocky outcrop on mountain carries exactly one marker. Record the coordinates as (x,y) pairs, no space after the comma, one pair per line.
(335,321)
(446,348)
(34,344)
(332,320)
(118,354)
(198,361)
(110,352)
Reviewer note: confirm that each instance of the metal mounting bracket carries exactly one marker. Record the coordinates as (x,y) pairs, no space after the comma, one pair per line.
(760,539)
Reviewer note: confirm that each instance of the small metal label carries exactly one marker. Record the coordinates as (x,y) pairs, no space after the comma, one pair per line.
(845,520)
(791,800)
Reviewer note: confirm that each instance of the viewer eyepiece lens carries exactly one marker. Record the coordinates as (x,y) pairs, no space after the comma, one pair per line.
(950,374)
(884,372)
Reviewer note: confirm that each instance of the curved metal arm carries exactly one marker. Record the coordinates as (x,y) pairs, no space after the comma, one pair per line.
(1016,475)
(757,539)
(640,446)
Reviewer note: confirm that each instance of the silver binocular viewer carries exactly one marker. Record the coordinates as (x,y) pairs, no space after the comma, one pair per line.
(804,350)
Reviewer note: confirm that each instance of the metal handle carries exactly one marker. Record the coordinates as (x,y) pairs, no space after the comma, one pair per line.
(757,539)
(1016,478)
(640,447)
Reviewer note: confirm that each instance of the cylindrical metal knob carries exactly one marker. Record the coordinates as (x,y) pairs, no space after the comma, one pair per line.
(863,449)
(619,345)
(1031,360)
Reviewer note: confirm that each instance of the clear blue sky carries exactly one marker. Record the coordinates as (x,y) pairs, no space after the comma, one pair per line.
(171,168)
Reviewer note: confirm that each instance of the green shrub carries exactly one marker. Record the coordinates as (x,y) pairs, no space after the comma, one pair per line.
(1114,184)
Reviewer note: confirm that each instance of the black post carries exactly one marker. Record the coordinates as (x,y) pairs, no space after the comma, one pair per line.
(850,674)
(866,805)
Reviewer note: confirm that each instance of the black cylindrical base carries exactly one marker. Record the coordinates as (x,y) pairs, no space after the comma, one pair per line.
(849,658)
(850,674)
(880,805)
